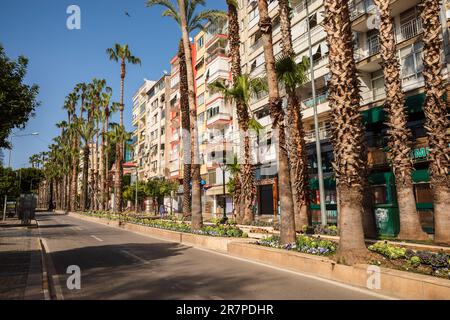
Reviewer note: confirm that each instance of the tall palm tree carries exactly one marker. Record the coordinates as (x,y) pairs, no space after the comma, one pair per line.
(245,176)
(437,123)
(70,107)
(287,229)
(116,135)
(293,76)
(81,90)
(348,131)
(240,93)
(105,105)
(122,54)
(186,127)
(188,20)
(399,133)
(86,131)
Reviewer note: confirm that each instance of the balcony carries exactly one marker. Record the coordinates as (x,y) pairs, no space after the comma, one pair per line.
(409,30)
(219,68)
(257,71)
(358,8)
(219,120)
(373,45)
(324,133)
(320,98)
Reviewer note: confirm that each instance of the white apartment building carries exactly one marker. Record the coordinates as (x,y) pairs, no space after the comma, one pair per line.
(150,107)
(408,31)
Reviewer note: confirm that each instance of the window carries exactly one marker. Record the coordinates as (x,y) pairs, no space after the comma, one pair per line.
(378,85)
(212,112)
(411,61)
(312,21)
(201,99)
(200,42)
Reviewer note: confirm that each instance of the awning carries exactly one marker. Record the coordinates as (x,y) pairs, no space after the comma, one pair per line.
(377,114)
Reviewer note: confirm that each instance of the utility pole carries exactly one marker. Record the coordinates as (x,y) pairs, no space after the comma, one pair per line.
(323,212)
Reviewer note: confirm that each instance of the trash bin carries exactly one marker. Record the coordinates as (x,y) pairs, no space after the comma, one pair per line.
(387,219)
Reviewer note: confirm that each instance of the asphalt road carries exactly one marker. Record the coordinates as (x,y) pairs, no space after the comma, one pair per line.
(118,264)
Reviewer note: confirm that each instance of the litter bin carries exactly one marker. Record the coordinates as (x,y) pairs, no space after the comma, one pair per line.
(387,219)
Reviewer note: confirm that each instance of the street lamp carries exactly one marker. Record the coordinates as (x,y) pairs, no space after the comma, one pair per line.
(9,164)
(223,167)
(323,213)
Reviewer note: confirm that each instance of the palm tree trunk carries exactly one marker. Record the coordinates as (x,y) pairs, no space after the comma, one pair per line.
(118,180)
(74,182)
(437,122)
(197,219)
(84,195)
(97,175)
(120,154)
(348,131)
(287,230)
(245,197)
(186,127)
(103,171)
(296,136)
(399,133)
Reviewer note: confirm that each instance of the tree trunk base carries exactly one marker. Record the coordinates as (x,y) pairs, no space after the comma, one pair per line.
(442,214)
(351,257)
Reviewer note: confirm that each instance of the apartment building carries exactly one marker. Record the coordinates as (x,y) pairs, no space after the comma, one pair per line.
(216,122)
(150,141)
(408,31)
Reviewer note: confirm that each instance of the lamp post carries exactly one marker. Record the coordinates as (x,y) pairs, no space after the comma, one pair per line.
(223,167)
(9,164)
(136,196)
(323,213)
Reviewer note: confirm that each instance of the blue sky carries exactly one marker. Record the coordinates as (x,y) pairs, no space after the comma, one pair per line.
(61,58)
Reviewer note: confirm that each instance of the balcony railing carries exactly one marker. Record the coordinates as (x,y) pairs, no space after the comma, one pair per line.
(359,7)
(220,118)
(324,133)
(302,5)
(374,48)
(320,98)
(409,30)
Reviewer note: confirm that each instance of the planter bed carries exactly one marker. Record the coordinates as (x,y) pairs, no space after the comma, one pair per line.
(406,285)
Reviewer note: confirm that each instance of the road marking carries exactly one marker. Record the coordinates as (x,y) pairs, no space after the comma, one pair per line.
(134,256)
(52,272)
(96,238)
(339,284)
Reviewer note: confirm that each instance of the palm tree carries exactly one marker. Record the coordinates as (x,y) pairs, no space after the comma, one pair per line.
(116,136)
(70,107)
(348,131)
(243,202)
(287,230)
(293,76)
(81,90)
(241,92)
(123,54)
(86,131)
(399,134)
(105,114)
(437,122)
(186,127)
(187,19)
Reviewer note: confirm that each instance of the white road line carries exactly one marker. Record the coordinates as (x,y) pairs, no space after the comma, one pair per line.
(96,238)
(310,276)
(134,256)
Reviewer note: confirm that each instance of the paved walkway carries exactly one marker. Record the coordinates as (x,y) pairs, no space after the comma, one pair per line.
(20,262)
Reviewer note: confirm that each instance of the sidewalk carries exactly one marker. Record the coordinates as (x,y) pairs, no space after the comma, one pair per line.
(20,262)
